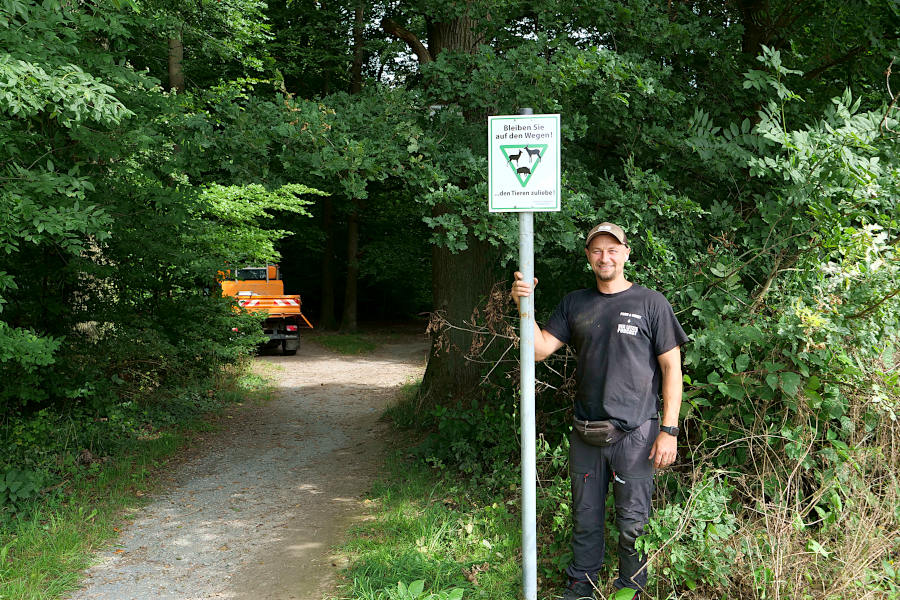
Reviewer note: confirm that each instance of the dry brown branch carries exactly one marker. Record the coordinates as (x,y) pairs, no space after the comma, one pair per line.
(893,104)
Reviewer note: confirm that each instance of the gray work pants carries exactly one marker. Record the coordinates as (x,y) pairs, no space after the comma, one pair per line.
(591,468)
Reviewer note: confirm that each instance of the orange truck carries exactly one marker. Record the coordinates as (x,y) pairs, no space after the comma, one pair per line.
(260,289)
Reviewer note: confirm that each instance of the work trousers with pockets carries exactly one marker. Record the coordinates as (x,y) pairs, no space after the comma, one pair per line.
(591,469)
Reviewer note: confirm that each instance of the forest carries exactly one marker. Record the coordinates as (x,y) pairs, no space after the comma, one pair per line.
(748,147)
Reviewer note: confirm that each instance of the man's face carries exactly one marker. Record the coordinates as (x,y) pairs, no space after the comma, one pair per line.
(607,257)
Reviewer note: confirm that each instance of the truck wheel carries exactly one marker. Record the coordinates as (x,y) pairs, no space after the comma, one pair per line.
(289,351)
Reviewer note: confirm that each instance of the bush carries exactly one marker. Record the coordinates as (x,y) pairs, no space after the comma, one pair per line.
(691,541)
(17,488)
(56,445)
(478,440)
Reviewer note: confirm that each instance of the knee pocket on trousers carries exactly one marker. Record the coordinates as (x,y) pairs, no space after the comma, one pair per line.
(583,496)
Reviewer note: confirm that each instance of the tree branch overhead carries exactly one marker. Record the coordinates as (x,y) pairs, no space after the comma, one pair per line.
(391,27)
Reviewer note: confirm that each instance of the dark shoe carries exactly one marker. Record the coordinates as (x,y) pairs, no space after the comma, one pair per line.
(579,590)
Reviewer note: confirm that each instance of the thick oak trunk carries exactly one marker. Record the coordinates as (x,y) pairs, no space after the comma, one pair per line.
(460,283)
(459,35)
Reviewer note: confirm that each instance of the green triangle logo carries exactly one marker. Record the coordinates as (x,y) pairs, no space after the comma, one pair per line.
(523,159)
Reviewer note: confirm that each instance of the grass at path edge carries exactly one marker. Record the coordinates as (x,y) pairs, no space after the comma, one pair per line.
(431,526)
(425,528)
(44,550)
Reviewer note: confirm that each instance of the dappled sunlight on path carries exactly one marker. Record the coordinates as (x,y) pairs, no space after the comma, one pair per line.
(257,508)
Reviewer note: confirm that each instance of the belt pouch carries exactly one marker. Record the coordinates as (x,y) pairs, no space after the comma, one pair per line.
(598,433)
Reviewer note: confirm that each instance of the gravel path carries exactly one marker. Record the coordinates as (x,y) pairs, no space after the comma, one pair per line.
(254,513)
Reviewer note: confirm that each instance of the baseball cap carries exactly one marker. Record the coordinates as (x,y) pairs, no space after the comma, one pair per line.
(610,228)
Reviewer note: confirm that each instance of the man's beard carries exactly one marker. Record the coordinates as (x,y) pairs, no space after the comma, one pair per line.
(602,275)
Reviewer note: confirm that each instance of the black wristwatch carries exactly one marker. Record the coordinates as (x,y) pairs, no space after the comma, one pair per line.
(673,431)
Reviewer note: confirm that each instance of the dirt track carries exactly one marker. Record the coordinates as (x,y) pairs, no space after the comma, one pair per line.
(254,512)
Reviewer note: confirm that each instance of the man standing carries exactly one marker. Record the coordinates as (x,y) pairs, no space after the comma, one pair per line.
(628,341)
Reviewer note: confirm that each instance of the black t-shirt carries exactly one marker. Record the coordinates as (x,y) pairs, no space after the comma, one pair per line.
(617,338)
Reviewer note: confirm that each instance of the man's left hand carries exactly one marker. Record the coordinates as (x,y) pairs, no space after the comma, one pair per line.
(664,451)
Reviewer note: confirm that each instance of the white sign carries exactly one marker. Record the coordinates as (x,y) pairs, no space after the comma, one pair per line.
(523,163)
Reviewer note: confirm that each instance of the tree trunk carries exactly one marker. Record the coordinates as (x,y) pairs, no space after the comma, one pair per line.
(358,49)
(459,35)
(460,283)
(348,321)
(756,20)
(327,318)
(176,66)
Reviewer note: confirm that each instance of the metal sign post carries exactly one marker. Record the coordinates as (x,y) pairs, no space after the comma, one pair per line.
(523,177)
(526,410)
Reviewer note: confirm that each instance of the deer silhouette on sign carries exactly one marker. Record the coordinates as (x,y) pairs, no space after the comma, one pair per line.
(532,152)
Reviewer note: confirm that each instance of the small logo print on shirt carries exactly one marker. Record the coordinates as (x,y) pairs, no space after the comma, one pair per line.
(630,315)
(629,329)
